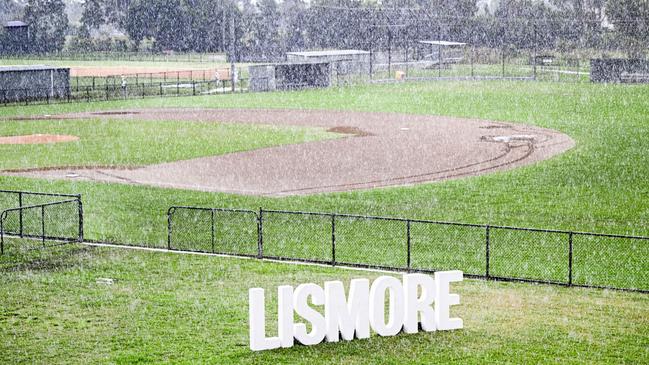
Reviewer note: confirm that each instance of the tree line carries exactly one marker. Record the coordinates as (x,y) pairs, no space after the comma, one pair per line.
(264,30)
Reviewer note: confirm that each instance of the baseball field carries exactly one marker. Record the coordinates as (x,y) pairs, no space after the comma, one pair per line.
(591,176)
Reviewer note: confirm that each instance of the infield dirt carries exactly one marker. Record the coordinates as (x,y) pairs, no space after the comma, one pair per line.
(378,150)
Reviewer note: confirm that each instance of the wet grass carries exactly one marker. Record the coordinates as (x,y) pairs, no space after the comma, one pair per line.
(106,142)
(600,185)
(174,308)
(193,309)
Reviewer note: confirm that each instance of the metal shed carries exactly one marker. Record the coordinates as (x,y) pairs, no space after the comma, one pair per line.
(17,40)
(289,76)
(19,83)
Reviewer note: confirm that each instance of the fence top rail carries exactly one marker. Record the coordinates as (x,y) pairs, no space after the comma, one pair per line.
(3,214)
(396,219)
(423,221)
(173,208)
(40,193)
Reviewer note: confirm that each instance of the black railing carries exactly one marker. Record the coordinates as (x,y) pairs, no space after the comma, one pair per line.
(109,91)
(483,251)
(40,217)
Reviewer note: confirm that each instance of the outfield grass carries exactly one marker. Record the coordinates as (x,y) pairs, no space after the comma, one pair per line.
(106,142)
(600,185)
(174,308)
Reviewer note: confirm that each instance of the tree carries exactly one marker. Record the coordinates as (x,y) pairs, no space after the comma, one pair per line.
(293,24)
(139,22)
(630,20)
(48,24)
(265,36)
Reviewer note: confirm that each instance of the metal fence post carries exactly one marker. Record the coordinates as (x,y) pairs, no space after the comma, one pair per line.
(43,224)
(487,252)
(169,229)
(20,216)
(2,235)
(408,243)
(333,240)
(260,233)
(570,258)
(80,219)
(212,211)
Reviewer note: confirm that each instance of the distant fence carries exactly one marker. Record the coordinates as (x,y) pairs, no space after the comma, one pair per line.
(39,219)
(119,56)
(141,85)
(484,251)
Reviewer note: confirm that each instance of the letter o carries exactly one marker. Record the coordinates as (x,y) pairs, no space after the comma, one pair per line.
(377,306)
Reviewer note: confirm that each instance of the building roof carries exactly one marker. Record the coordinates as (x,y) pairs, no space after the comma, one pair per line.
(15,23)
(443,43)
(327,53)
(289,63)
(31,68)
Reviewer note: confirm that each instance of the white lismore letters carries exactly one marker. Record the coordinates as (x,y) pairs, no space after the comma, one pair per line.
(418,302)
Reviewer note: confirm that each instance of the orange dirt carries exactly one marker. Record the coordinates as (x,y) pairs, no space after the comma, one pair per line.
(37,139)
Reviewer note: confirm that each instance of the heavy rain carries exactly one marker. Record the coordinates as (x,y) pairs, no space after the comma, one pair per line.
(192,181)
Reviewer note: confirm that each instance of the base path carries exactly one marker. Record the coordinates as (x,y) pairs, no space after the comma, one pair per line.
(378,150)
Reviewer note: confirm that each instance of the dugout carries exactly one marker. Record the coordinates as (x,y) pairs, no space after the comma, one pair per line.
(289,76)
(21,83)
(344,61)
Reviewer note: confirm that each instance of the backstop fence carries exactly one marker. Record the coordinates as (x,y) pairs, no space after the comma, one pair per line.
(33,220)
(482,251)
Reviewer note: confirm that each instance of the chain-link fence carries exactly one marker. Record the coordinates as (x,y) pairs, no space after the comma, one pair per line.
(33,220)
(485,251)
(132,86)
(213,230)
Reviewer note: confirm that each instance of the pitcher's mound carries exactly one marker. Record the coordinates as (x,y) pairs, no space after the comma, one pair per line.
(37,139)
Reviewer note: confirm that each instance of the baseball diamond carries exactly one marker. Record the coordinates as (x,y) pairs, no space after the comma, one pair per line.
(381,149)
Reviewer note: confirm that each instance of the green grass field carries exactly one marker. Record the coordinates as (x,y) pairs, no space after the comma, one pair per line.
(172,308)
(135,143)
(597,186)
(600,185)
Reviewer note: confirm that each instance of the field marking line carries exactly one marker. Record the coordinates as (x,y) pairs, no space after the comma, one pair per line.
(164,250)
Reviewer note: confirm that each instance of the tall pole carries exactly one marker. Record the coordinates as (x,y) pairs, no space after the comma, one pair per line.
(232,50)
(389,52)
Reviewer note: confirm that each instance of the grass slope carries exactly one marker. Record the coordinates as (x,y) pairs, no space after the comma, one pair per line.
(171,308)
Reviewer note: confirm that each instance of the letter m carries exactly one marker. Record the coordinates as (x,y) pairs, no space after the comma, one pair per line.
(346,316)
